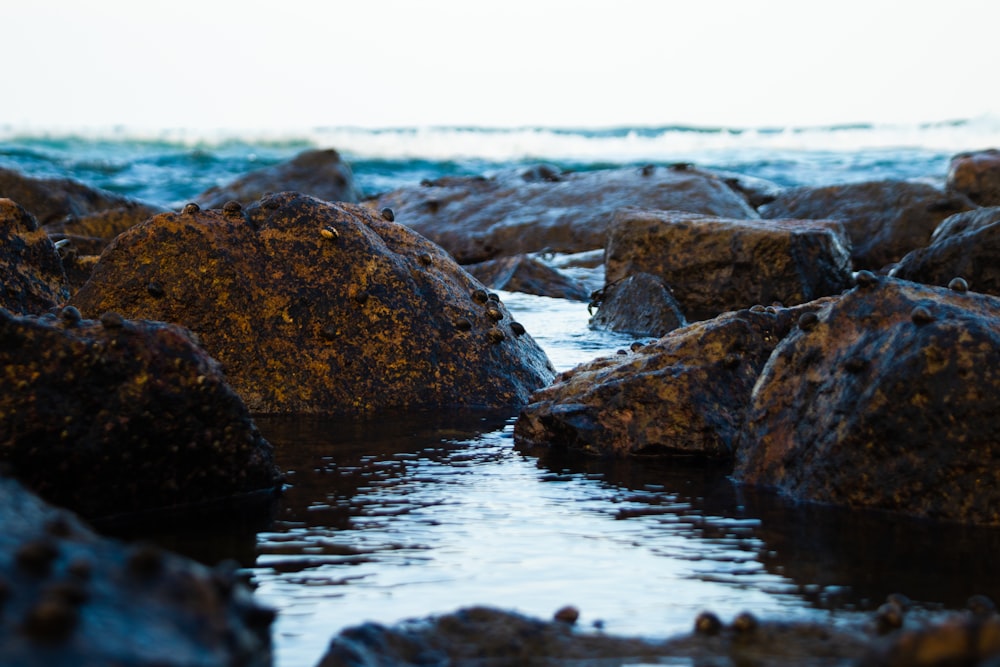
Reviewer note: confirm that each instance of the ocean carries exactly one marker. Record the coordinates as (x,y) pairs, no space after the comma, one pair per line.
(413,516)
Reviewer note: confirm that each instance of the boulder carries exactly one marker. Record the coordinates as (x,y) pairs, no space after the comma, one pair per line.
(32,278)
(976,174)
(713,265)
(102,225)
(543,209)
(524,273)
(887,398)
(318,307)
(319,173)
(884,219)
(114,417)
(72,598)
(683,395)
(972,255)
(639,304)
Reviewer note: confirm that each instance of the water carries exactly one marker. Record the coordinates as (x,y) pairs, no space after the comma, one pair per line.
(421,514)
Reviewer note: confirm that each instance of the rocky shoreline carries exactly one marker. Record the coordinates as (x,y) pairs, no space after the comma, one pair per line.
(836,344)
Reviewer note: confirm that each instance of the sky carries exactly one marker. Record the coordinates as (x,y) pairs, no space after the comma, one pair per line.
(217,64)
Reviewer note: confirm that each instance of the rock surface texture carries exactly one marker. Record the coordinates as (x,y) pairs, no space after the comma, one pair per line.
(713,265)
(977,175)
(324,308)
(524,273)
(640,305)
(884,219)
(318,173)
(886,398)
(74,599)
(544,209)
(32,278)
(114,417)
(683,395)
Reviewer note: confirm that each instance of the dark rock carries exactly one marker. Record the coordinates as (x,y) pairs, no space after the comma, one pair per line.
(476,219)
(523,273)
(640,305)
(32,278)
(72,598)
(714,265)
(958,640)
(318,173)
(486,636)
(977,175)
(362,318)
(117,417)
(103,224)
(684,395)
(888,402)
(884,219)
(966,246)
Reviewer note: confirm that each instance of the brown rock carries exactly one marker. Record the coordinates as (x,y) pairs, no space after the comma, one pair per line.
(888,399)
(318,307)
(972,255)
(977,175)
(318,173)
(116,417)
(713,265)
(70,598)
(103,224)
(523,273)
(640,305)
(518,212)
(685,394)
(32,278)
(884,219)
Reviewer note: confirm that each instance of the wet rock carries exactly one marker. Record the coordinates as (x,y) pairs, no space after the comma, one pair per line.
(318,173)
(104,224)
(116,417)
(888,401)
(640,305)
(976,174)
(683,395)
(524,273)
(884,219)
(960,640)
(32,278)
(714,265)
(486,636)
(966,245)
(477,219)
(72,598)
(319,307)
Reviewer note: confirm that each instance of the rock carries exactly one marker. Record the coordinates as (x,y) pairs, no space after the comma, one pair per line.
(884,219)
(683,395)
(886,398)
(523,273)
(972,255)
(518,212)
(114,417)
(72,598)
(32,278)
(318,173)
(959,640)
(102,225)
(487,636)
(316,307)
(977,175)
(64,204)
(640,305)
(713,265)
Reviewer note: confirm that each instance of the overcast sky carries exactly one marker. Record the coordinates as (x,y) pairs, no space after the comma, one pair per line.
(375,63)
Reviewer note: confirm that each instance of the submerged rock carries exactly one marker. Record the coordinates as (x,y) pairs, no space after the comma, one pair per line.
(966,245)
(32,278)
(886,398)
(884,219)
(683,395)
(713,265)
(543,209)
(640,305)
(71,598)
(114,417)
(976,174)
(318,173)
(319,307)
(524,273)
